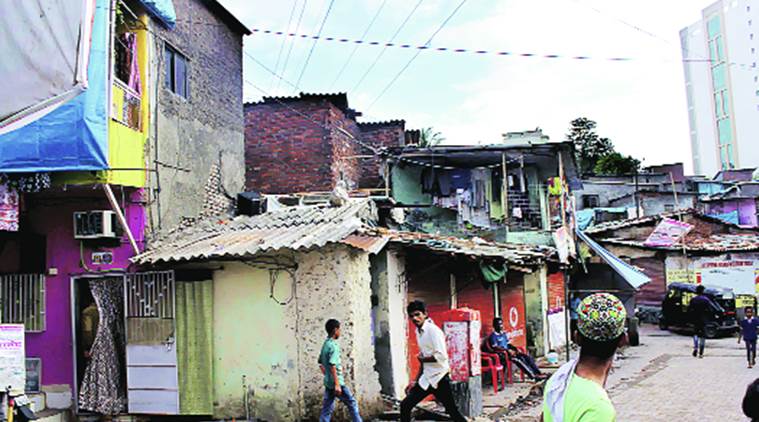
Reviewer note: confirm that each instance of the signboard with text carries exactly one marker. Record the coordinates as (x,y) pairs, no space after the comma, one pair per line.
(739,274)
(12,358)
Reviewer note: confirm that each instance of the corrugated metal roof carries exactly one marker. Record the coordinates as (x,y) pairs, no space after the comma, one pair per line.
(514,254)
(712,243)
(295,228)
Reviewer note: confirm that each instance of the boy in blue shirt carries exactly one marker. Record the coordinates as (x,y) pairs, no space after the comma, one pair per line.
(749,326)
(332,368)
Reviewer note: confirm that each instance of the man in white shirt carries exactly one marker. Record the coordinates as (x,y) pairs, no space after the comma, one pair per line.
(433,375)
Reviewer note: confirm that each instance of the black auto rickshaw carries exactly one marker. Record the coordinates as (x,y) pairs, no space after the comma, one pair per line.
(675,309)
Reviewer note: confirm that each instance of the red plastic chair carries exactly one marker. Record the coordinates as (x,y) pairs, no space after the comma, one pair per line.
(491,362)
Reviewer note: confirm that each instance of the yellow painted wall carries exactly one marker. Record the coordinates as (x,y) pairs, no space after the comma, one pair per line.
(252,338)
(126,146)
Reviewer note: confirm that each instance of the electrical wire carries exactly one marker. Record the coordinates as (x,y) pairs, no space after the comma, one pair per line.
(290,50)
(284,41)
(387,44)
(313,46)
(429,41)
(355,48)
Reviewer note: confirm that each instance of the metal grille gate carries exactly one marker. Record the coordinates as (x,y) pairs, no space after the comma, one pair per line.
(152,384)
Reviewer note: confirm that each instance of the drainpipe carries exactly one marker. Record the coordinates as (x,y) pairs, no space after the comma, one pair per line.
(120,216)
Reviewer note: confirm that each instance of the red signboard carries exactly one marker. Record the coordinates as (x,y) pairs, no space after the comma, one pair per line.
(512,304)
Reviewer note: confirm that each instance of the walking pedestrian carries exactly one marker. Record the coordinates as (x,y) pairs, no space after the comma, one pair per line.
(699,310)
(498,343)
(751,401)
(749,327)
(334,384)
(433,377)
(576,393)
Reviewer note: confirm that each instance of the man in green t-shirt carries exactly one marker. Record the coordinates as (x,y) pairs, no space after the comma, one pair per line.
(575,393)
(331,367)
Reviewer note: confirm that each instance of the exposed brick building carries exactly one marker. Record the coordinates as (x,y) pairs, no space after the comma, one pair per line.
(310,142)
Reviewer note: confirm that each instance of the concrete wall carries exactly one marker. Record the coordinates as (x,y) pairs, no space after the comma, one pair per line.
(206,128)
(276,345)
(606,191)
(390,322)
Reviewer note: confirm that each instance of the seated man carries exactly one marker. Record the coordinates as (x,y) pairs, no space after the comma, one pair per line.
(498,343)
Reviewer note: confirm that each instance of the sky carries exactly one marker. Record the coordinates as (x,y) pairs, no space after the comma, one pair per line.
(639,104)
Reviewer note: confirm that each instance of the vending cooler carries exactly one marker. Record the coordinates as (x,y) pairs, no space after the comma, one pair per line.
(462,334)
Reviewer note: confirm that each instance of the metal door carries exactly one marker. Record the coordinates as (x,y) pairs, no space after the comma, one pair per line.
(151,356)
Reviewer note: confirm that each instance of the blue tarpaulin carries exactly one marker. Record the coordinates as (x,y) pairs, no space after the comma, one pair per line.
(74,136)
(163,10)
(728,217)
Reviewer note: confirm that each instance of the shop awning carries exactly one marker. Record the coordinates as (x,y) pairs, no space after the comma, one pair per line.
(632,276)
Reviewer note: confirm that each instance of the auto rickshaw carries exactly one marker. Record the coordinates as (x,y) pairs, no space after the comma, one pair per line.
(722,319)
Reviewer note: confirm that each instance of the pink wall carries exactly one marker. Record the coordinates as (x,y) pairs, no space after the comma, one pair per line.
(53,217)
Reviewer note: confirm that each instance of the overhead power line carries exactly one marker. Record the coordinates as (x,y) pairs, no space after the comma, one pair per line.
(313,46)
(387,44)
(350,57)
(284,40)
(290,50)
(406,66)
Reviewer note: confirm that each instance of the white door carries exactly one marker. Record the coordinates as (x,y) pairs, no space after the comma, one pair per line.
(151,355)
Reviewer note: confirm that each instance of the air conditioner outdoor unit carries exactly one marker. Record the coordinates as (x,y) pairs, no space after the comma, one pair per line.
(95,225)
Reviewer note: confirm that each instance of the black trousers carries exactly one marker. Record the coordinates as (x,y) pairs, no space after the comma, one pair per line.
(442,393)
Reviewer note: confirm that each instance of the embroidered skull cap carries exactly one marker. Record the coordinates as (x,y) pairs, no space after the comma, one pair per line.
(601,317)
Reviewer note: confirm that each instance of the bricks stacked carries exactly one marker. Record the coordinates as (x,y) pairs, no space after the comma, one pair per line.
(382,134)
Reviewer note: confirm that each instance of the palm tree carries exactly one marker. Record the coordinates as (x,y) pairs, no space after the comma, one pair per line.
(429,137)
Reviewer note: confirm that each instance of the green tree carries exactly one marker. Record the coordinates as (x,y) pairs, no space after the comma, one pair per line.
(616,164)
(428,137)
(589,147)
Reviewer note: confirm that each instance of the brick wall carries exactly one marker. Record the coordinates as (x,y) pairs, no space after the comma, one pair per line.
(288,148)
(385,134)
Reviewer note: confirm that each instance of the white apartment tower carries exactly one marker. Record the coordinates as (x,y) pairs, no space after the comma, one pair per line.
(720,55)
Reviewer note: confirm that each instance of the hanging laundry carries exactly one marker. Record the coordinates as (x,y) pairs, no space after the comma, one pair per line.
(8,209)
(461,178)
(26,182)
(554,186)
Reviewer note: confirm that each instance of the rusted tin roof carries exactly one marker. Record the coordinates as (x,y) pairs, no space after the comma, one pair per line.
(300,227)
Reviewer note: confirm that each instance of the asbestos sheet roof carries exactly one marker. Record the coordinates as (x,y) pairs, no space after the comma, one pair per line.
(295,228)
(513,254)
(717,243)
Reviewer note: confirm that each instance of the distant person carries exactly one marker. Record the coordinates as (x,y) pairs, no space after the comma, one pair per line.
(90,320)
(751,401)
(699,311)
(334,385)
(433,377)
(576,392)
(573,305)
(749,327)
(498,343)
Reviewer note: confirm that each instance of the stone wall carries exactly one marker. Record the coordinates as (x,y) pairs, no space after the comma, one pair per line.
(275,341)
(191,134)
(335,282)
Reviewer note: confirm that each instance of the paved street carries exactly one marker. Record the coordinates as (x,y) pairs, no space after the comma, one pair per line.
(661,381)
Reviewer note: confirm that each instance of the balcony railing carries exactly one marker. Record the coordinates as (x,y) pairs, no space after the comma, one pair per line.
(22,300)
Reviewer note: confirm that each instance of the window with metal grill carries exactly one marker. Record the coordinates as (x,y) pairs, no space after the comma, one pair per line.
(22,300)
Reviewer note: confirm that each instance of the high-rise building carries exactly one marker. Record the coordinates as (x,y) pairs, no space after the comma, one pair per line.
(720,53)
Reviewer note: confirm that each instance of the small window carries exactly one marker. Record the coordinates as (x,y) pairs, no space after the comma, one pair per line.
(669,207)
(590,201)
(22,301)
(176,79)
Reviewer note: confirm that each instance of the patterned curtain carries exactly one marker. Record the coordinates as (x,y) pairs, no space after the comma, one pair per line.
(103,388)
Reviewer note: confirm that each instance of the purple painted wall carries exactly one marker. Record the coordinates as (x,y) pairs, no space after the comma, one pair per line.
(53,216)
(746,210)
